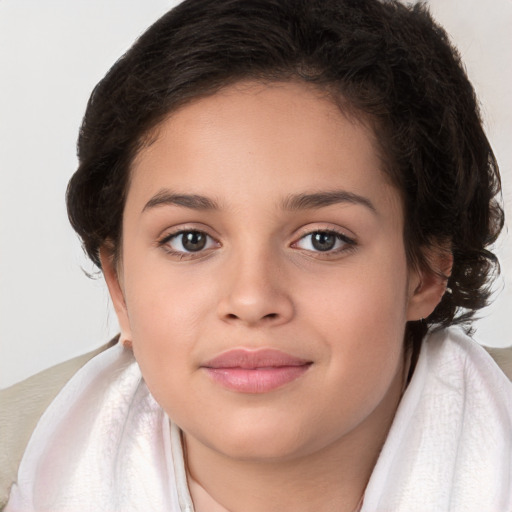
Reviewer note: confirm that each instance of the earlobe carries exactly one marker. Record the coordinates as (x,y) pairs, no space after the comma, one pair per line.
(427,287)
(110,273)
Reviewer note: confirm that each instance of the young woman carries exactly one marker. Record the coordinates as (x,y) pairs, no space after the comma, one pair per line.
(291,202)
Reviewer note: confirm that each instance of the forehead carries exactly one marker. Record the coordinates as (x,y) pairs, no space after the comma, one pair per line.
(268,139)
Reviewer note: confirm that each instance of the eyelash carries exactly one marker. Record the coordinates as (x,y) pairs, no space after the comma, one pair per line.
(164,243)
(348,244)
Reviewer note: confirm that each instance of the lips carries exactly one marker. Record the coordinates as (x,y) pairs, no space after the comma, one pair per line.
(255,371)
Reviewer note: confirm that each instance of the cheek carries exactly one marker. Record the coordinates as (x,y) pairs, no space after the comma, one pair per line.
(371,298)
(361,317)
(167,317)
(161,299)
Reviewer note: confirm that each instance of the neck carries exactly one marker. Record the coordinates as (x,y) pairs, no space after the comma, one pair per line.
(300,485)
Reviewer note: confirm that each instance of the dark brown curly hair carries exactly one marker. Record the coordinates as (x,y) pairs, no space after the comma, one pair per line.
(382,60)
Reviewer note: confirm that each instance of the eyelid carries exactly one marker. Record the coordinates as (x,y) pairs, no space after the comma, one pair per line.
(163,241)
(170,231)
(349,241)
(325,228)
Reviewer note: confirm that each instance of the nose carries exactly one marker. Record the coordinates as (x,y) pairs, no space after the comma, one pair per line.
(255,292)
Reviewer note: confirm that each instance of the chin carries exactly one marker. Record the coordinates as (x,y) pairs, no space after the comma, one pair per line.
(266,440)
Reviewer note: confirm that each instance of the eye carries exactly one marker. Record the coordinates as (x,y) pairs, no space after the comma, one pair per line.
(188,242)
(324,241)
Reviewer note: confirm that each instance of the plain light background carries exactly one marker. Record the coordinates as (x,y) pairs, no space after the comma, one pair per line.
(52,53)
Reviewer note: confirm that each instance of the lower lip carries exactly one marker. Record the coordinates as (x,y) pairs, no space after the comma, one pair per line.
(257,380)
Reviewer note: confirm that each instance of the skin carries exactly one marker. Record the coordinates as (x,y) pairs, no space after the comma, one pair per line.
(259,282)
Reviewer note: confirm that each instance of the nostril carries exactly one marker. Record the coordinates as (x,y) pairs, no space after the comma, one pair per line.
(270,316)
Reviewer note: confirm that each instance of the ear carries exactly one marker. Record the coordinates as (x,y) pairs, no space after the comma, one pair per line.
(110,273)
(427,286)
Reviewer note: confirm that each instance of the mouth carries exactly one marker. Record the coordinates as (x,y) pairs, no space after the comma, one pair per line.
(255,371)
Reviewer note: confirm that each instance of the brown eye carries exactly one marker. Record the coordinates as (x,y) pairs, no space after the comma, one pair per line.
(323,241)
(188,242)
(193,241)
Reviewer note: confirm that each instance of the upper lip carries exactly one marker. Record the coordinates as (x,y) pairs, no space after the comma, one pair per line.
(252,359)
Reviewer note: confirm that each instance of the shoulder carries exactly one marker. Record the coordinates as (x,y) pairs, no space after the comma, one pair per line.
(455,416)
(454,343)
(21,407)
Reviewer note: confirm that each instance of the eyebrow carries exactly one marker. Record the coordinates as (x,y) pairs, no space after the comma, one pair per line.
(323,199)
(192,201)
(292,202)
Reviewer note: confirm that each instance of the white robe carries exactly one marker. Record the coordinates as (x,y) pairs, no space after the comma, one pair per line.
(104,444)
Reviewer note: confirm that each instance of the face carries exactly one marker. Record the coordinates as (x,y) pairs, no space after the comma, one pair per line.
(263,279)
